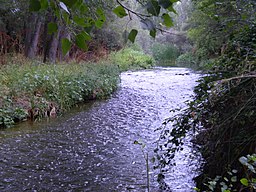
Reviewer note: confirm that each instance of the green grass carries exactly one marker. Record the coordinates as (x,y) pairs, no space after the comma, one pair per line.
(36,90)
(30,89)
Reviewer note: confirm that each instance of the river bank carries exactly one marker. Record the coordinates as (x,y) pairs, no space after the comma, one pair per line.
(225,118)
(33,90)
(222,117)
(93,148)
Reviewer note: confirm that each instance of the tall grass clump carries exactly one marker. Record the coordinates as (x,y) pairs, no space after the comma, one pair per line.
(131,59)
(165,54)
(44,90)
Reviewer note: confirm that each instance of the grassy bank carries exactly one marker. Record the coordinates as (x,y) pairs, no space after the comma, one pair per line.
(31,90)
(35,91)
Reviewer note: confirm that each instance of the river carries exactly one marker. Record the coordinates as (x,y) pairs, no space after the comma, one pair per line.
(92,147)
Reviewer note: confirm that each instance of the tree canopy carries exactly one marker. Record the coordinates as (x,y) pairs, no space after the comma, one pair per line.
(225,29)
(92,14)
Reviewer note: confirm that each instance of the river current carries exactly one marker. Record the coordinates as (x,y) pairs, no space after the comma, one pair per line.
(92,147)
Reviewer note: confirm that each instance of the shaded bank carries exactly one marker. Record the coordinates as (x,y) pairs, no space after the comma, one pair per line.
(228,129)
(223,119)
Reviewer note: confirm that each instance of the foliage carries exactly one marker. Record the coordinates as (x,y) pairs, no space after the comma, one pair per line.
(187,60)
(128,58)
(222,113)
(165,54)
(225,29)
(239,55)
(196,60)
(228,182)
(63,9)
(222,116)
(38,90)
(9,115)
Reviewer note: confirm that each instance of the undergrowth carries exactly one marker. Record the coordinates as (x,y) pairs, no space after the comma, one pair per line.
(30,89)
(131,59)
(222,116)
(165,54)
(38,90)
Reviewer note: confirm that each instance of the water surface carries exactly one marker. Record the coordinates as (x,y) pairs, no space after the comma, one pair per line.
(92,149)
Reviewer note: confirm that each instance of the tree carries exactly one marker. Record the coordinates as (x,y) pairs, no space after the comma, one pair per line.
(216,22)
(52,27)
(72,13)
(12,20)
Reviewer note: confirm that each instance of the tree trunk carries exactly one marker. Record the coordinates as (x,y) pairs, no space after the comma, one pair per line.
(46,39)
(51,41)
(33,28)
(53,46)
(63,34)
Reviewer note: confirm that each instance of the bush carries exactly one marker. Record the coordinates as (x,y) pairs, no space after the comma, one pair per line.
(186,60)
(130,59)
(165,54)
(197,60)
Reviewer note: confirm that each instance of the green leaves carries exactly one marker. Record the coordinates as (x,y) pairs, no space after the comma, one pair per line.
(34,5)
(52,28)
(81,40)
(120,11)
(167,20)
(132,35)
(76,12)
(245,182)
(101,18)
(79,21)
(153,7)
(65,45)
(44,4)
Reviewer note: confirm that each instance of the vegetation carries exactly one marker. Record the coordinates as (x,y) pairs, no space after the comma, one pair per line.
(35,91)
(214,35)
(222,114)
(131,59)
(85,32)
(228,183)
(57,30)
(165,54)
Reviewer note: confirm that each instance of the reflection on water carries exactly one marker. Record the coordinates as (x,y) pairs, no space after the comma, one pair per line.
(93,149)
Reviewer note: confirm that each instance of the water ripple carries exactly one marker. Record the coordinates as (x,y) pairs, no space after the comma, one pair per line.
(93,150)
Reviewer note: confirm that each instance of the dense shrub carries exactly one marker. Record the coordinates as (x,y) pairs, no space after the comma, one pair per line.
(129,58)
(197,59)
(186,60)
(165,54)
